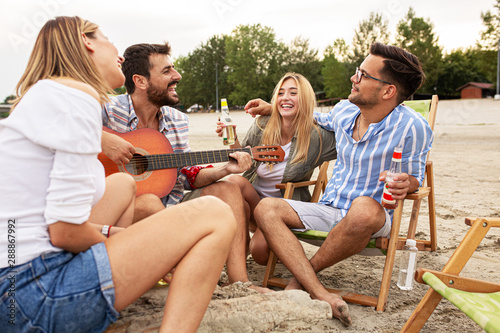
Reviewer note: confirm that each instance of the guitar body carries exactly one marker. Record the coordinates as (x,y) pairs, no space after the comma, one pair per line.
(146,141)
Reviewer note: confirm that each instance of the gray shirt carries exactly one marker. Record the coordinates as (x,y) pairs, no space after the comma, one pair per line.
(321,148)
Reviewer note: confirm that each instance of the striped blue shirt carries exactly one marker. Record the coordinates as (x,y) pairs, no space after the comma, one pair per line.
(119,115)
(359,163)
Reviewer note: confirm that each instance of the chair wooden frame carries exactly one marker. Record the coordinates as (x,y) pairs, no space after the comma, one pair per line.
(390,245)
(450,273)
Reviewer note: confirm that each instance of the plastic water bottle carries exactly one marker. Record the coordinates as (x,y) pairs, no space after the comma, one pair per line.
(407,265)
(228,134)
(387,200)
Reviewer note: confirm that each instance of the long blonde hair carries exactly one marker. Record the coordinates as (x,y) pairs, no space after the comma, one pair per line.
(303,121)
(59,51)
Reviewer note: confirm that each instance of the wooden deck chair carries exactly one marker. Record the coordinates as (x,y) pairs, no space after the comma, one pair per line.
(480,300)
(387,246)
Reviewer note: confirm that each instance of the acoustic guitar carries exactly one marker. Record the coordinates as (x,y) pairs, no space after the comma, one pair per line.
(154,165)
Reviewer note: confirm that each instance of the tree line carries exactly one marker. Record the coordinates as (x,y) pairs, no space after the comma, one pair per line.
(249,62)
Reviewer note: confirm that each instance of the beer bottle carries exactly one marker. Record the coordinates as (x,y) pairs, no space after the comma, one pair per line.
(228,134)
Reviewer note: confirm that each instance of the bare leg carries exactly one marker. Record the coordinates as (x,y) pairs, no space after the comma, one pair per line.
(274,217)
(365,217)
(236,260)
(250,196)
(293,284)
(116,206)
(259,248)
(195,238)
(147,205)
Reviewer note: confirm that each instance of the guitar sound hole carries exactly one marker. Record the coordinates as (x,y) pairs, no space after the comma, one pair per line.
(137,165)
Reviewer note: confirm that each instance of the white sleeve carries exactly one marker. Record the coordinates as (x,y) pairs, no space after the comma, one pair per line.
(72,187)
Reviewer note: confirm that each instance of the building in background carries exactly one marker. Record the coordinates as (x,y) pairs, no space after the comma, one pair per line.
(476,90)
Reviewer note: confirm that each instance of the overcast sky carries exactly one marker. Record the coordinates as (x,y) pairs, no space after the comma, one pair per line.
(186,24)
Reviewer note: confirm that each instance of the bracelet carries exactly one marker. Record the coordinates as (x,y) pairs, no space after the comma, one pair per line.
(105,230)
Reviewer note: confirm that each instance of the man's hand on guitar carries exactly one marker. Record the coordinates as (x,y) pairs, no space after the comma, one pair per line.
(242,163)
(117,149)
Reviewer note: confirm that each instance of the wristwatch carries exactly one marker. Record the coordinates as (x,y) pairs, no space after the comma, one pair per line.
(105,230)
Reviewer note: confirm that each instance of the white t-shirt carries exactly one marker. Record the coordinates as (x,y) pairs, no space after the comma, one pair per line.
(49,170)
(265,183)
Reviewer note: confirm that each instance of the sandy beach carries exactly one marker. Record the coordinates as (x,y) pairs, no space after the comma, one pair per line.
(466,157)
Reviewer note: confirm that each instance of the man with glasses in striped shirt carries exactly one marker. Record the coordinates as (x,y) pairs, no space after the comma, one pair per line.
(368,126)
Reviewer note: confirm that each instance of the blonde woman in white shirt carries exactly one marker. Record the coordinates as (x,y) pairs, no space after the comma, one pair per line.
(58,272)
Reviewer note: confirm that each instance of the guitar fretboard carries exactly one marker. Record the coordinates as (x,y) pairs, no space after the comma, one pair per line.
(166,161)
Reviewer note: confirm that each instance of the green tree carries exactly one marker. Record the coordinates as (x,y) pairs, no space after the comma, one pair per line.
(337,70)
(9,99)
(374,29)
(486,62)
(341,50)
(255,62)
(487,46)
(491,33)
(121,90)
(416,35)
(198,70)
(458,68)
(300,58)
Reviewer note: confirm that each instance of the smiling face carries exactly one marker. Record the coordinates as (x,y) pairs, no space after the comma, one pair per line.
(162,81)
(366,91)
(107,60)
(288,99)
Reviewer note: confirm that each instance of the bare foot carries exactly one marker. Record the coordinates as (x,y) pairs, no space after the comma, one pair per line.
(339,309)
(293,284)
(260,290)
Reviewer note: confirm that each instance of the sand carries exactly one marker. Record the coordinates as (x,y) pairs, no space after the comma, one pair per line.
(466,156)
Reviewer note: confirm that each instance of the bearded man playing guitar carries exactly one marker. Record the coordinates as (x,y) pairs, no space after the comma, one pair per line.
(150,79)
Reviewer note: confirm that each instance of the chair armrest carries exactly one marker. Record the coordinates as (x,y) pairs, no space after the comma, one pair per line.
(422,192)
(283,186)
(494,221)
(458,282)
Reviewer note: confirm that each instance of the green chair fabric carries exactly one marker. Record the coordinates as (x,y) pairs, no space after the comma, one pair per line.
(316,237)
(483,308)
(421,106)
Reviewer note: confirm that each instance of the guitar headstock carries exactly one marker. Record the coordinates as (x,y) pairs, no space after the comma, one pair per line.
(270,154)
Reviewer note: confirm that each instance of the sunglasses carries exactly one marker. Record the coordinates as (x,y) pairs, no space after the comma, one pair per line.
(359,75)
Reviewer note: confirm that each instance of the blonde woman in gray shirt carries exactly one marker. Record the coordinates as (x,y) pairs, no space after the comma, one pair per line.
(306,145)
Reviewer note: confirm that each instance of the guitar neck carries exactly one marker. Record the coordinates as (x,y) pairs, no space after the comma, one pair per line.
(178,160)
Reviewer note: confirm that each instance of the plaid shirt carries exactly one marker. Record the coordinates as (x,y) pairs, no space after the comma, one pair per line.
(359,163)
(119,115)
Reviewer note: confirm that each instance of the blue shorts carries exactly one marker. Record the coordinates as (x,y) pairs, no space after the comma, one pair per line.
(315,216)
(59,292)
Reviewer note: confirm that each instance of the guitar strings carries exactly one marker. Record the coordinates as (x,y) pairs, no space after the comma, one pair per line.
(145,160)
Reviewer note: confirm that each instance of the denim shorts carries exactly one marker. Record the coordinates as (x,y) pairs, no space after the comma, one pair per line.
(315,216)
(59,292)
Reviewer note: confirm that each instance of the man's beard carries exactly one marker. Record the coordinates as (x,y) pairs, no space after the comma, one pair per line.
(161,97)
(365,100)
